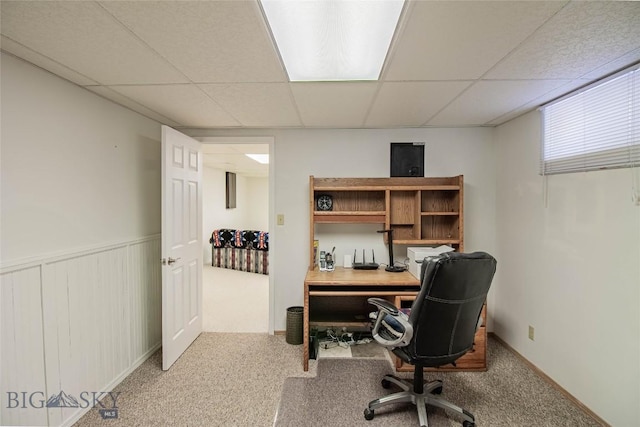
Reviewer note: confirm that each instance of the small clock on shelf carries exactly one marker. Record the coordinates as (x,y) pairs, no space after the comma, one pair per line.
(324,202)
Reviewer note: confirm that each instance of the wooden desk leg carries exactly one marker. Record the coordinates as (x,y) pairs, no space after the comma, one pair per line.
(305,332)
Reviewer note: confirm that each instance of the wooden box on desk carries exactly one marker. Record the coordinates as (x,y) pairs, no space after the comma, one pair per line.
(474,360)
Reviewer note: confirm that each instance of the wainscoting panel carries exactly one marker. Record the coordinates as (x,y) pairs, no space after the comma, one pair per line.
(22,358)
(99,318)
(145,298)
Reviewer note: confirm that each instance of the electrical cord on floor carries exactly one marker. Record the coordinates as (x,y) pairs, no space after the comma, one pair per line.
(344,340)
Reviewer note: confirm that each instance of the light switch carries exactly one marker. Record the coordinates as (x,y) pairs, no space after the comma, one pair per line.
(280,219)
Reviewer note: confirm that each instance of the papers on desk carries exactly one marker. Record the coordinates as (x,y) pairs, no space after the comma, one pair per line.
(416,255)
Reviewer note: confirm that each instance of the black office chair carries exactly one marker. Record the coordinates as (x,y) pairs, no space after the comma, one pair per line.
(439,329)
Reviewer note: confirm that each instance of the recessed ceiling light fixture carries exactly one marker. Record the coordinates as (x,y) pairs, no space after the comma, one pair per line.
(329,40)
(260,158)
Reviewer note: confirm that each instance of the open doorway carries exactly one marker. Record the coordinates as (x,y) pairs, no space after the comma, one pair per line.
(235,300)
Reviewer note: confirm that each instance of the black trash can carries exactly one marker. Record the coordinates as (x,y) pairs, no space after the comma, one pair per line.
(294,325)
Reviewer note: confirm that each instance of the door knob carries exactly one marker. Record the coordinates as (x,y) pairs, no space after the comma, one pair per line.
(172,260)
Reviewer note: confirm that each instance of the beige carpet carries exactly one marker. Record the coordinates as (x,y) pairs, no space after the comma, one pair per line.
(221,380)
(234,301)
(227,379)
(508,394)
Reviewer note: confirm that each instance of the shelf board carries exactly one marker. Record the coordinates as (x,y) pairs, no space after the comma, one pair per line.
(355,213)
(426,241)
(368,184)
(439,213)
(339,323)
(371,217)
(348,320)
(368,293)
(383,187)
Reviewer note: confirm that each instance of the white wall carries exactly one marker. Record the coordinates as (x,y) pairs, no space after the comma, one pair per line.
(77,170)
(258,203)
(364,153)
(252,205)
(571,269)
(80,246)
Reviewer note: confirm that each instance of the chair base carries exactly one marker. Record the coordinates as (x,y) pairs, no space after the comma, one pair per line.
(429,396)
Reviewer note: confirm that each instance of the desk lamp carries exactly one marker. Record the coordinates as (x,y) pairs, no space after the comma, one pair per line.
(392,267)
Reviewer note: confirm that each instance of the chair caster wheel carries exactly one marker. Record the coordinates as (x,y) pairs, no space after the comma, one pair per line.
(368,414)
(468,424)
(385,383)
(437,390)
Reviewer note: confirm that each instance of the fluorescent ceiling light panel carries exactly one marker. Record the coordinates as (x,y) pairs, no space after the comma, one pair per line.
(260,158)
(328,40)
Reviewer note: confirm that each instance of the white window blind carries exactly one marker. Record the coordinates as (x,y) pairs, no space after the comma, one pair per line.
(595,128)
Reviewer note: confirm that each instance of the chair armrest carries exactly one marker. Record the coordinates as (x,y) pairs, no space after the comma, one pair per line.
(386,309)
(385,305)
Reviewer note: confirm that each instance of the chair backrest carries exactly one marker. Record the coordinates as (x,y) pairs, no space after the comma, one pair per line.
(445,313)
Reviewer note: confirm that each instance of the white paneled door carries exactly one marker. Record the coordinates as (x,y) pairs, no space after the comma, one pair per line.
(181,243)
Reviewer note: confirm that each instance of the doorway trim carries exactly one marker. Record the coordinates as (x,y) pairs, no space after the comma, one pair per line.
(270,141)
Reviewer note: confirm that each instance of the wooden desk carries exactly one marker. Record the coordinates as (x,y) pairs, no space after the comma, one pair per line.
(338,298)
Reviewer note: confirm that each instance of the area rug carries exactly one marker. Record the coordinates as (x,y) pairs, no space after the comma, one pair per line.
(509,393)
(339,393)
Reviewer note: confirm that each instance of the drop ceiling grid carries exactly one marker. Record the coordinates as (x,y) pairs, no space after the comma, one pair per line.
(185,104)
(534,103)
(486,100)
(29,55)
(140,50)
(334,104)
(574,42)
(108,93)
(86,39)
(462,40)
(624,61)
(208,41)
(232,158)
(411,104)
(256,104)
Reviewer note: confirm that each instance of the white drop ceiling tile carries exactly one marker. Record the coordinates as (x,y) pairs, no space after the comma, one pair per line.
(579,39)
(334,104)
(120,99)
(411,103)
(541,100)
(209,41)
(238,163)
(237,148)
(218,149)
(486,100)
(185,104)
(462,40)
(85,38)
(231,161)
(615,65)
(511,115)
(43,62)
(251,149)
(220,161)
(256,104)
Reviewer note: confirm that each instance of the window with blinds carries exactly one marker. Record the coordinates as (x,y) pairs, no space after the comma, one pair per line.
(595,128)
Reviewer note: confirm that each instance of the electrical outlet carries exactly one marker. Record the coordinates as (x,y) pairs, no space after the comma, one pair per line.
(531,332)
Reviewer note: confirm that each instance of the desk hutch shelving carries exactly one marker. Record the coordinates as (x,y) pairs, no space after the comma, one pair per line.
(421,211)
